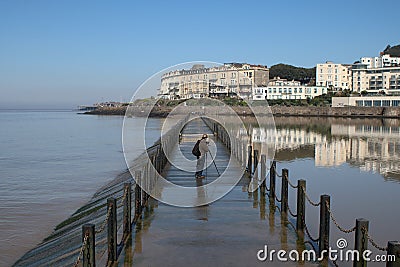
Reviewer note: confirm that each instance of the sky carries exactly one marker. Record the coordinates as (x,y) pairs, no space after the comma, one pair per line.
(60,54)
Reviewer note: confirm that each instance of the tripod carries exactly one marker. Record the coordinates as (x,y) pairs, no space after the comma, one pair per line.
(215,165)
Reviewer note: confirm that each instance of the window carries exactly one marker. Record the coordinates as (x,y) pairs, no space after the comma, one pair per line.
(395,103)
(295,90)
(300,90)
(315,90)
(377,103)
(269,90)
(275,90)
(280,90)
(385,103)
(359,103)
(368,103)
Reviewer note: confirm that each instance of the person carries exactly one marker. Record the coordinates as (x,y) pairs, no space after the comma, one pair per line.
(203,147)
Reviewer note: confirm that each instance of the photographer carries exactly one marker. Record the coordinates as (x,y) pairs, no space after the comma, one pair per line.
(203,147)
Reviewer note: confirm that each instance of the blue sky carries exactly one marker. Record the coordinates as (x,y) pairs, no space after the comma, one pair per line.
(65,53)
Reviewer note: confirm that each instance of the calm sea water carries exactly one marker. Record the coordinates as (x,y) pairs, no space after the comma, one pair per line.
(355,161)
(51,163)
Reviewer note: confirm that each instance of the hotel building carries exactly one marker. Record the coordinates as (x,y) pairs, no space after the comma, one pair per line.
(231,79)
(283,89)
(332,75)
(376,80)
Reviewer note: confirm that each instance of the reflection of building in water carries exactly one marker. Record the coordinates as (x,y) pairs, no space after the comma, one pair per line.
(372,148)
(333,153)
(287,138)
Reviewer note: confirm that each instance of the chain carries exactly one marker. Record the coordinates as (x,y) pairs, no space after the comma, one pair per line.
(105,221)
(291,213)
(292,185)
(78,260)
(123,198)
(365,231)
(311,244)
(279,200)
(280,176)
(347,231)
(309,199)
(308,233)
(335,263)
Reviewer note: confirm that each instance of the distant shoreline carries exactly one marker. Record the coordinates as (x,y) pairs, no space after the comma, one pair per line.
(293,111)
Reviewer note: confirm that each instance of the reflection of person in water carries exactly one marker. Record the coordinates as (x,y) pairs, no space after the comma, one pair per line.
(201,211)
(203,147)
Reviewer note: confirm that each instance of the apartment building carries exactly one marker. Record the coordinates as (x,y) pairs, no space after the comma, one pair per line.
(283,89)
(382,61)
(334,76)
(230,79)
(376,80)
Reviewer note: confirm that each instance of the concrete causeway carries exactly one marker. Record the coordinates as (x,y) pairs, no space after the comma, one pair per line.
(228,232)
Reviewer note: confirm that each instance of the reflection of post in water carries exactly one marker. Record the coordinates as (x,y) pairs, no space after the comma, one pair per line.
(271,218)
(138,237)
(262,204)
(300,245)
(202,211)
(147,213)
(255,199)
(128,259)
(284,234)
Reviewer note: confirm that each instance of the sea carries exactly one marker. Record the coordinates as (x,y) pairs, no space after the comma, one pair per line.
(51,163)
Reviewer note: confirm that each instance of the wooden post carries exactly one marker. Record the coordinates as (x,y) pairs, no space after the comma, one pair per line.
(301,205)
(249,159)
(263,173)
(272,178)
(324,220)
(284,190)
(360,241)
(393,249)
(138,198)
(145,180)
(244,155)
(112,230)
(127,209)
(255,161)
(89,254)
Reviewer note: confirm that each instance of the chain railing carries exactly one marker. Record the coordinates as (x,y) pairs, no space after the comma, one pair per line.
(315,204)
(103,225)
(372,241)
(347,231)
(83,247)
(123,198)
(291,212)
(248,156)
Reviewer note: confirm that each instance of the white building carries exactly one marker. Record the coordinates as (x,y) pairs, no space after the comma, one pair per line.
(382,61)
(366,101)
(283,89)
(376,80)
(332,75)
(231,79)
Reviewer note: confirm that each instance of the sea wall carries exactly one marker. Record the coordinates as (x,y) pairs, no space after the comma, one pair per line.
(387,112)
(356,112)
